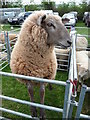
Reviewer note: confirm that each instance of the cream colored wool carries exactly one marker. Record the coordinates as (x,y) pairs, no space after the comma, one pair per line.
(81,43)
(31,55)
(83,65)
(11,37)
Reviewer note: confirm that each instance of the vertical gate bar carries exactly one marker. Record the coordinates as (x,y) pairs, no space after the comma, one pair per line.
(80,103)
(5,35)
(8,47)
(74,37)
(0,93)
(66,99)
(6,43)
(71,107)
(71,85)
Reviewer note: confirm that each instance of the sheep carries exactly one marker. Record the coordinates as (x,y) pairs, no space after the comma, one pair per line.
(1,47)
(33,53)
(83,62)
(81,43)
(11,37)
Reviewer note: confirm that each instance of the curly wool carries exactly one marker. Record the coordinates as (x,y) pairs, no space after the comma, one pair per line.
(31,55)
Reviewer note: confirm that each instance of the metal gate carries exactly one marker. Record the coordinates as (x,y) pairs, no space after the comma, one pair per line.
(70,87)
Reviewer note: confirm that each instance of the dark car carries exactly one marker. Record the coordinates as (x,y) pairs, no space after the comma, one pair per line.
(18,20)
(27,14)
(87,20)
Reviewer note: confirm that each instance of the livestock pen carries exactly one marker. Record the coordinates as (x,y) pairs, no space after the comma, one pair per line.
(67,102)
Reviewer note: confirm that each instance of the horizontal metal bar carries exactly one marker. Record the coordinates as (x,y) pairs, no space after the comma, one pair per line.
(85,116)
(81,27)
(62,54)
(5,50)
(62,60)
(2,59)
(32,104)
(13,40)
(16,113)
(63,65)
(62,69)
(4,67)
(33,78)
(3,62)
(3,118)
(83,35)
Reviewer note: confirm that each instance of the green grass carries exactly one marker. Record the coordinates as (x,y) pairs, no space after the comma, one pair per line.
(11,87)
(7,27)
(84,31)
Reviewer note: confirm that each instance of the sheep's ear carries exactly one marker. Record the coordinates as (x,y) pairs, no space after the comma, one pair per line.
(41,20)
(65,20)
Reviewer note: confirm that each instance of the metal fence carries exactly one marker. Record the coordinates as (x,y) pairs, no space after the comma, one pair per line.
(6,46)
(70,87)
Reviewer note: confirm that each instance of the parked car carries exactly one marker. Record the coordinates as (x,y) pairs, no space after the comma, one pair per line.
(27,14)
(75,14)
(71,17)
(18,20)
(84,16)
(87,20)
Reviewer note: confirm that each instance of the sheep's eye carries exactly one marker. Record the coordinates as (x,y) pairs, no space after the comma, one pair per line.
(50,25)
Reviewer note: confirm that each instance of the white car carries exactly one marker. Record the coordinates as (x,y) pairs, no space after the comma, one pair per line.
(71,17)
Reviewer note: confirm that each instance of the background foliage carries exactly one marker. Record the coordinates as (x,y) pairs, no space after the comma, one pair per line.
(61,8)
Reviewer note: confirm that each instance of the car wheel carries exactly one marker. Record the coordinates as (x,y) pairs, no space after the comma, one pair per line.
(20,22)
(88,24)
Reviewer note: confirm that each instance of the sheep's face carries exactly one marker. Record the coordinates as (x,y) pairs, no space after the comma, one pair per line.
(57,33)
(83,74)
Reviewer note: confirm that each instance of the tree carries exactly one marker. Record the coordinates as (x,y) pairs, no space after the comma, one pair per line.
(48,5)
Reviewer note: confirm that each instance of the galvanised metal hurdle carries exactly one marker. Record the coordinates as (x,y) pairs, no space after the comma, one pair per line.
(7,47)
(73,82)
(66,84)
(3,55)
(69,100)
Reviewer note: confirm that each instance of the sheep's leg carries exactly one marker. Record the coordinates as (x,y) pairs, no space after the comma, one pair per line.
(42,96)
(31,94)
(50,87)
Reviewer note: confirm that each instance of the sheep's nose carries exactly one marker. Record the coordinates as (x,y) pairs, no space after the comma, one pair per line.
(69,42)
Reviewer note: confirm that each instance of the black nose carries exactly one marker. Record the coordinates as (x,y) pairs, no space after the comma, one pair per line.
(69,42)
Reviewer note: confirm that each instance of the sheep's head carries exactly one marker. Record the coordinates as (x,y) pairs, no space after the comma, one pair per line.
(83,73)
(57,33)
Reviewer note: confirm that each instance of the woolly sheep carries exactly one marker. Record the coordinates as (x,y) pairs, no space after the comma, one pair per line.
(83,62)
(81,43)
(11,37)
(1,47)
(33,53)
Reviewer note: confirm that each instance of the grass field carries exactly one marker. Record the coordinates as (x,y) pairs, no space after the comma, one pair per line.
(12,88)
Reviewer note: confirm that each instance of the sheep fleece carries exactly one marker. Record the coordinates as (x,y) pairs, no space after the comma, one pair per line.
(31,55)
